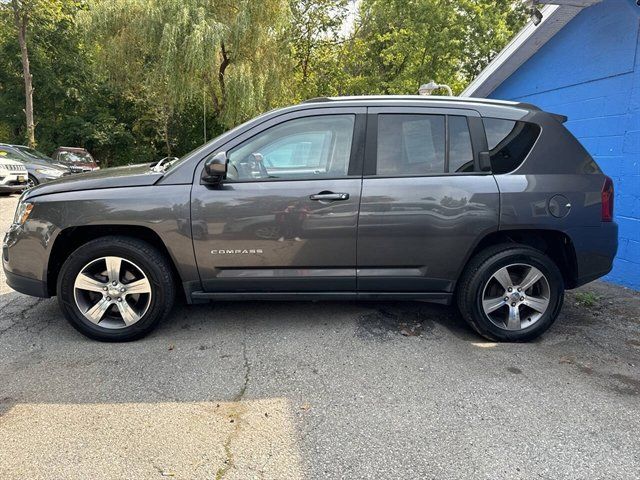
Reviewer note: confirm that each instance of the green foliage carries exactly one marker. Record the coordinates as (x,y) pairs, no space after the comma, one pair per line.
(133,80)
(587,299)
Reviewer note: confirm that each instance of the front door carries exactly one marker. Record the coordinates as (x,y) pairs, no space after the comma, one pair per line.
(286,217)
(425,204)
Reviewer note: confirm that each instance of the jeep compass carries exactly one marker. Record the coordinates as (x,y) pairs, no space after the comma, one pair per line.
(491,205)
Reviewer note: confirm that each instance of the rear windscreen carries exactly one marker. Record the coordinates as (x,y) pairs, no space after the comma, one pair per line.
(509,142)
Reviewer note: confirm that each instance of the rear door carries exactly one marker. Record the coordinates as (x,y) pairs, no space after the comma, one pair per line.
(425,203)
(286,217)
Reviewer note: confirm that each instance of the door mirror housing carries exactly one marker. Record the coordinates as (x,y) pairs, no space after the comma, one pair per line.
(215,169)
(484,160)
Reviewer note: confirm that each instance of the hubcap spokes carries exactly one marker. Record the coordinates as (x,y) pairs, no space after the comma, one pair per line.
(516,296)
(112,292)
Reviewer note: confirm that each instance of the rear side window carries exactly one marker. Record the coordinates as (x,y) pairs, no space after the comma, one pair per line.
(509,142)
(410,144)
(460,150)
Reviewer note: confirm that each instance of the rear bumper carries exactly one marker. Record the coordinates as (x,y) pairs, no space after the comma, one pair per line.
(595,247)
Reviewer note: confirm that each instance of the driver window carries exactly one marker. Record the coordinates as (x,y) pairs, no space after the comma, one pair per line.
(300,149)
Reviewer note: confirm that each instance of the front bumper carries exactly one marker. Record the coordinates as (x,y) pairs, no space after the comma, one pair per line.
(13,182)
(25,257)
(28,286)
(13,188)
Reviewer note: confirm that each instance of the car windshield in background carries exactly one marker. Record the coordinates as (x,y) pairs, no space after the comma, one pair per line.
(75,157)
(11,156)
(33,153)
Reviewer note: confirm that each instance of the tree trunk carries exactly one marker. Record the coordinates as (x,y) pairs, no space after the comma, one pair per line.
(21,20)
(224,63)
(165,134)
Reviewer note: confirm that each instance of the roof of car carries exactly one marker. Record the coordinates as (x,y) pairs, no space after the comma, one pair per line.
(423,98)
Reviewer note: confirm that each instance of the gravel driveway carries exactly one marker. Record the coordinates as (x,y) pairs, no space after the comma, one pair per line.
(321,390)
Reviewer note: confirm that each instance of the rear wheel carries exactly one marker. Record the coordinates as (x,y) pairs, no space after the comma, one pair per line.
(115,288)
(510,293)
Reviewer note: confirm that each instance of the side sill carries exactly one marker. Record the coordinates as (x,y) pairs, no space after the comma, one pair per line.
(435,297)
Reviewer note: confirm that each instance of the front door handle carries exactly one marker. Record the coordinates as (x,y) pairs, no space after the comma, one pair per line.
(329,197)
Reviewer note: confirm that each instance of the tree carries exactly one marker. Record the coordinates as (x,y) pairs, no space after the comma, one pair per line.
(25,13)
(177,50)
(397,45)
(315,35)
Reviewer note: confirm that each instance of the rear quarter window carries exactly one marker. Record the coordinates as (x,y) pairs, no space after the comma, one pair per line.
(509,142)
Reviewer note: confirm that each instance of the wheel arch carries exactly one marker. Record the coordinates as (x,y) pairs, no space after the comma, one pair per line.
(71,238)
(554,243)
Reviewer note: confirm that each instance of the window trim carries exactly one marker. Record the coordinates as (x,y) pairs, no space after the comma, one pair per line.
(476,133)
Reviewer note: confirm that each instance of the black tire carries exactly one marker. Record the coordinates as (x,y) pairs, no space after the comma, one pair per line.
(479,271)
(147,258)
(33,180)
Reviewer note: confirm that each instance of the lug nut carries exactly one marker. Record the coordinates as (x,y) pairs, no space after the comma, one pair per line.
(114,283)
(519,289)
(521,299)
(108,299)
(513,304)
(105,288)
(506,299)
(510,289)
(123,289)
(119,299)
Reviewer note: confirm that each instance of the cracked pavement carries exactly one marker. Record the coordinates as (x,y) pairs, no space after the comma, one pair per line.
(279,390)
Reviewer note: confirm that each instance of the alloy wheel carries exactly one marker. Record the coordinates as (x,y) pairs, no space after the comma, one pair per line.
(516,296)
(112,292)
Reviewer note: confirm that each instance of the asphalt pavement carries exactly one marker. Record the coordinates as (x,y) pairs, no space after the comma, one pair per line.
(328,390)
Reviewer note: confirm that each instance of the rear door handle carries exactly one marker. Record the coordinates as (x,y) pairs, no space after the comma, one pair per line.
(329,196)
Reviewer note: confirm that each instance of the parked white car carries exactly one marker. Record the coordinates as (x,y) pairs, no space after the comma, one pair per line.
(13,176)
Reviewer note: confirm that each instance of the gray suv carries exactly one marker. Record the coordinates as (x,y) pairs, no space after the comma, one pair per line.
(492,205)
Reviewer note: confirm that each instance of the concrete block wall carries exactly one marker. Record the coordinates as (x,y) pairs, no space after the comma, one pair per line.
(590,71)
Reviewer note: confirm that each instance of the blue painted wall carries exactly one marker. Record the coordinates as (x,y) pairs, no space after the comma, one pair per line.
(590,71)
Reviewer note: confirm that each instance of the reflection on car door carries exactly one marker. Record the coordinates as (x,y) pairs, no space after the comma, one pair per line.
(424,201)
(286,217)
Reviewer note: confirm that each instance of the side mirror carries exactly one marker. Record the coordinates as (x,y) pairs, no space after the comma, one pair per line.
(215,169)
(485,161)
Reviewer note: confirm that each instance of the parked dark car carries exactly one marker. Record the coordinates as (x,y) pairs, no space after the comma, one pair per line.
(40,168)
(77,159)
(492,205)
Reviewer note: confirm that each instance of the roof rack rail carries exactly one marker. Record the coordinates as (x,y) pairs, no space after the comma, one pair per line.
(429,98)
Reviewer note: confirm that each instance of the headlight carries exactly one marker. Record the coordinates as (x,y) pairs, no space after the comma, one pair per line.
(49,172)
(22,212)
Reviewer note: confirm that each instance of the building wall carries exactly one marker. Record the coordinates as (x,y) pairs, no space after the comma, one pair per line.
(590,71)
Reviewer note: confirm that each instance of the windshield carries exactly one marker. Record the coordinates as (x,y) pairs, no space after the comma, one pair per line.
(10,156)
(33,153)
(75,157)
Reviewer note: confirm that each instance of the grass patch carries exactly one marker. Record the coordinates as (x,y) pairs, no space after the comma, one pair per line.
(587,299)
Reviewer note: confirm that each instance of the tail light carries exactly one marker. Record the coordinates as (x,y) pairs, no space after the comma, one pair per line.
(607,200)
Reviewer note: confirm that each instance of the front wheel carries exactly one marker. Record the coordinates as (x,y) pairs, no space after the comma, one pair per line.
(510,293)
(115,288)
(32,181)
